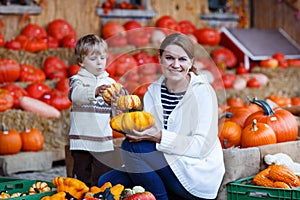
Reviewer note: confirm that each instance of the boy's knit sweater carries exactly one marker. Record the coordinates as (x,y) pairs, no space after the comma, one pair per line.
(89,118)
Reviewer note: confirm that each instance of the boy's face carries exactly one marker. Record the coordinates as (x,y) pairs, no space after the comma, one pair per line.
(94,63)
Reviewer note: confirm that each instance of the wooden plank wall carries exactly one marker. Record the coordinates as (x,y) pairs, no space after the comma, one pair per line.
(275,14)
(181,10)
(80,14)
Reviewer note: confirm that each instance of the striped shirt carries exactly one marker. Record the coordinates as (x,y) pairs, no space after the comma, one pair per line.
(169,101)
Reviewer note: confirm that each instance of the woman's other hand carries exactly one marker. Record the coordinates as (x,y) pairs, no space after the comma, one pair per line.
(151,134)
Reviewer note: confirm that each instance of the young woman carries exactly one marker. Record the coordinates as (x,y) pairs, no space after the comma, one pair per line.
(180,156)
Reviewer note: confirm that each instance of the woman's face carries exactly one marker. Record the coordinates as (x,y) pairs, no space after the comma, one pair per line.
(94,63)
(175,62)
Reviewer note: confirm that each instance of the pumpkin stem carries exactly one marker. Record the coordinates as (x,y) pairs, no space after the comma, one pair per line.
(268,111)
(225,143)
(254,127)
(225,115)
(251,100)
(3,127)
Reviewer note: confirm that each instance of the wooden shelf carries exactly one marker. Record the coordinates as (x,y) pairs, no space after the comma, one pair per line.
(122,13)
(20,9)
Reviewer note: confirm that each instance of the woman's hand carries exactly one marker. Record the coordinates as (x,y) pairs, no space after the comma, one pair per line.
(151,134)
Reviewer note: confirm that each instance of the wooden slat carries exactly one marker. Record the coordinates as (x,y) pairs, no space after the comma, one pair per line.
(181,10)
(272,14)
(80,14)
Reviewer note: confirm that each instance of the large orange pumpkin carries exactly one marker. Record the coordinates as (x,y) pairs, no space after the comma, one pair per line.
(257,134)
(10,142)
(32,140)
(281,121)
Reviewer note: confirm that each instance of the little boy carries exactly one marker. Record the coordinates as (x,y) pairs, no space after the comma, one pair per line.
(90,134)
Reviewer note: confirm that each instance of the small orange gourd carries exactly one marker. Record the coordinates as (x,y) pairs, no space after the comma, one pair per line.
(262,178)
(284,174)
(280,184)
(277,176)
(115,88)
(39,187)
(128,102)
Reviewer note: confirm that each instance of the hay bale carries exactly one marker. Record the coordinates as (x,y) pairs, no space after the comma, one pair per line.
(37,59)
(55,131)
(282,82)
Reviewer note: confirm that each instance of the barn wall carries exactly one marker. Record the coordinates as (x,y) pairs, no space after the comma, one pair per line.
(181,10)
(80,14)
(275,14)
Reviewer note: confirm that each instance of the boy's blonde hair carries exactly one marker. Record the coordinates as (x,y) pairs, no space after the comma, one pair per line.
(90,44)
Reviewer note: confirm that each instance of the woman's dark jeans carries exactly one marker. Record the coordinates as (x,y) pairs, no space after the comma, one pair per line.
(148,168)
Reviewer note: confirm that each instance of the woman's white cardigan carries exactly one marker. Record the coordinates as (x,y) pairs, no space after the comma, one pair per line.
(191,145)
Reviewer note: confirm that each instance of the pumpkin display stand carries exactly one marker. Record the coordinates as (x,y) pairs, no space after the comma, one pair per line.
(246,162)
(55,139)
(54,130)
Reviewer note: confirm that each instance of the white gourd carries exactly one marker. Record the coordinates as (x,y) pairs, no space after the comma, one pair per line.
(283,159)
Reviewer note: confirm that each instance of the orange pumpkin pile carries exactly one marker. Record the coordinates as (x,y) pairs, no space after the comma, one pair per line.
(258,124)
(12,141)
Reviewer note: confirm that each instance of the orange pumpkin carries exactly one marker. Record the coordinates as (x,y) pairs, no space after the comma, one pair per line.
(235,102)
(281,101)
(257,134)
(112,28)
(229,134)
(32,140)
(281,121)
(117,134)
(10,142)
(252,107)
(295,101)
(6,100)
(239,115)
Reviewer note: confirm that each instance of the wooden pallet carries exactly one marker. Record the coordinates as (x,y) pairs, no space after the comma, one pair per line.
(29,161)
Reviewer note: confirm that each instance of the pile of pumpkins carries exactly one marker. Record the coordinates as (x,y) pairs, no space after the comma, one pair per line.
(127,112)
(72,188)
(12,141)
(256,124)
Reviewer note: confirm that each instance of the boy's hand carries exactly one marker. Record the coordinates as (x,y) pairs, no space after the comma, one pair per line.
(99,91)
